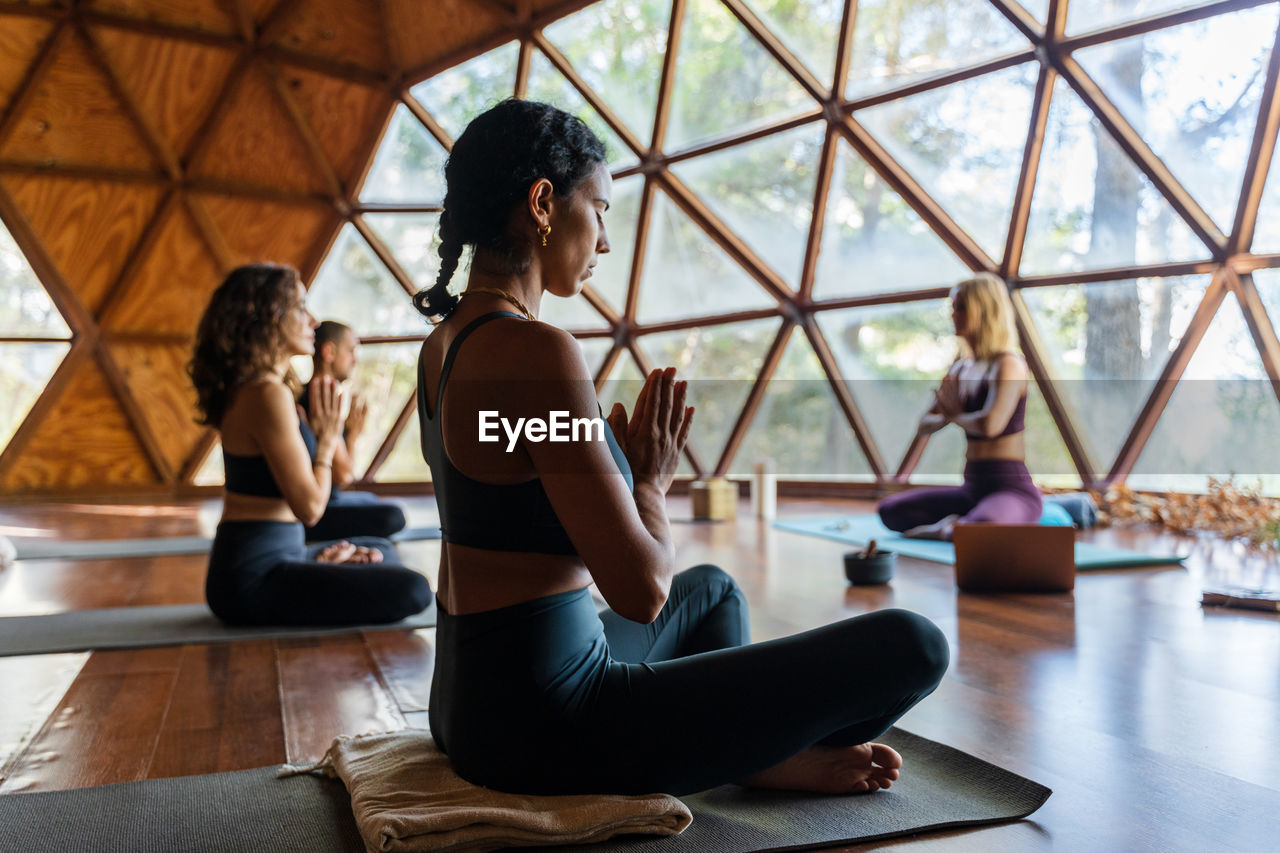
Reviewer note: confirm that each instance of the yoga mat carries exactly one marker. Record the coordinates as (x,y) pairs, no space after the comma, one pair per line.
(250,810)
(94,549)
(861,529)
(165,625)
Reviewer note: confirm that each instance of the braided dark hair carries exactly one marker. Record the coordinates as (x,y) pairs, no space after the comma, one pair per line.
(489,172)
(240,334)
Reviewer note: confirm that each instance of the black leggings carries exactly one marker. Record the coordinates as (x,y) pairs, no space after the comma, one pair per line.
(357,514)
(546,697)
(262,573)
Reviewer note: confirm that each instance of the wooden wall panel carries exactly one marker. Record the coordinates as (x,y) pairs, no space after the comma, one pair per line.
(260,9)
(20,41)
(265,231)
(419,38)
(256,143)
(337,29)
(156,377)
(169,289)
(74,118)
(343,115)
(85,440)
(87,227)
(207,15)
(173,82)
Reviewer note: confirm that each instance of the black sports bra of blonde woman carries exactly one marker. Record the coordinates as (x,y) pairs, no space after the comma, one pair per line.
(533,691)
(261,572)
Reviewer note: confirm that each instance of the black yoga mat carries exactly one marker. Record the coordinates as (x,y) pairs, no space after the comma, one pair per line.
(163,625)
(251,811)
(97,549)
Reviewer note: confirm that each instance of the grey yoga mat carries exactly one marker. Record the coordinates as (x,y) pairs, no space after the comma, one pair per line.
(163,625)
(96,549)
(251,810)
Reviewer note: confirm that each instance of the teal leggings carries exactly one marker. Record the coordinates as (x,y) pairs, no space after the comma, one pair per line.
(547,697)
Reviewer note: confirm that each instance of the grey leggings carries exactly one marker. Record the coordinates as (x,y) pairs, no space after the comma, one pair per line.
(547,697)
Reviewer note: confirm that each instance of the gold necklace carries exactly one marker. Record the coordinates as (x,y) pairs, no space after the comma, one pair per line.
(502,294)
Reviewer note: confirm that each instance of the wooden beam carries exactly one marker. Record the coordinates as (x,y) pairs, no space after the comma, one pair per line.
(778,50)
(428,120)
(754,396)
(64,297)
(522,68)
(112,299)
(1168,379)
(81,350)
(937,81)
(1025,22)
(209,232)
(821,191)
(384,254)
(133,414)
(1155,22)
(310,141)
(1261,327)
(704,320)
(844,45)
(610,359)
(1260,154)
(617,125)
(643,217)
(845,399)
(721,143)
(667,82)
(409,409)
(199,454)
(1117,273)
(26,88)
(1027,176)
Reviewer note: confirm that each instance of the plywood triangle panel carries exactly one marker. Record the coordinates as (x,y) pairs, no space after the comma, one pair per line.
(84,439)
(204,15)
(89,228)
(256,230)
(156,377)
(167,292)
(338,29)
(418,39)
(174,82)
(256,143)
(73,118)
(346,117)
(20,42)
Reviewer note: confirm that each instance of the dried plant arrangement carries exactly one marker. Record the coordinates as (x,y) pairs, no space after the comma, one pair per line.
(1228,510)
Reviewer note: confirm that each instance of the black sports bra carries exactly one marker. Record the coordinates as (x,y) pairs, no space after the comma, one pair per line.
(497,517)
(251,475)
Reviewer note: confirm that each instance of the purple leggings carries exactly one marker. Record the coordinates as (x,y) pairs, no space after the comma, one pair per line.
(994,490)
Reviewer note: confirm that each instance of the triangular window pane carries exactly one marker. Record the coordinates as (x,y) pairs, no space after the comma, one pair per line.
(613,268)
(686,274)
(872,241)
(25,306)
(594,351)
(413,242)
(1048,459)
(808,27)
(1221,420)
(891,358)
(1266,229)
(353,286)
(800,425)
(726,82)
(409,165)
(623,385)
(211,471)
(895,43)
(405,463)
(456,96)
(1088,15)
(1192,93)
(1268,284)
(763,190)
(25,368)
(1093,208)
(616,46)
(549,85)
(964,144)
(721,363)
(385,376)
(1106,344)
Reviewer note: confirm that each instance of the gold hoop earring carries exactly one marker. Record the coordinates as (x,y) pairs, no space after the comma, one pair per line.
(543,231)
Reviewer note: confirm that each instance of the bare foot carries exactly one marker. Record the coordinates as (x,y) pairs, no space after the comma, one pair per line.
(833,770)
(940,529)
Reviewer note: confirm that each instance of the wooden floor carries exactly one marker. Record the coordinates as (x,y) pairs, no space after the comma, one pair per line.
(1157,723)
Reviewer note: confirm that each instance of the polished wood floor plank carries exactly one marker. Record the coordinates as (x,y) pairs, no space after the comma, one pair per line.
(406,660)
(225,714)
(33,687)
(330,686)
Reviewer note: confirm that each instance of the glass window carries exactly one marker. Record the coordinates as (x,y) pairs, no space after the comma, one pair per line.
(211,471)
(896,43)
(726,82)
(25,306)
(1266,229)
(1088,15)
(809,28)
(1093,207)
(964,143)
(687,274)
(616,46)
(25,368)
(385,377)
(405,463)
(1192,93)
(413,242)
(763,190)
(550,86)
(456,96)
(872,241)
(355,287)
(409,165)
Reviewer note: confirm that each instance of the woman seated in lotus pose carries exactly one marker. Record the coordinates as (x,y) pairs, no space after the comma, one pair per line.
(260,570)
(534,691)
(985,394)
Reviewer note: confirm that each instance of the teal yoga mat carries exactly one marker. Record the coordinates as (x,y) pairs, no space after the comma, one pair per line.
(97,549)
(861,529)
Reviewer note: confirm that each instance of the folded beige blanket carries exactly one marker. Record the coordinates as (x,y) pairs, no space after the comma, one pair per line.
(406,797)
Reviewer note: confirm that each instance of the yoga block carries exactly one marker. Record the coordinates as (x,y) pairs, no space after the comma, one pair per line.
(715,499)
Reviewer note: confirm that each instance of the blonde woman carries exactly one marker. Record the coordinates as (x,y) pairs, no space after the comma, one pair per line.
(985,394)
